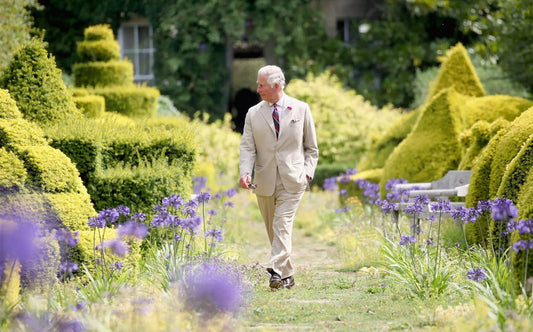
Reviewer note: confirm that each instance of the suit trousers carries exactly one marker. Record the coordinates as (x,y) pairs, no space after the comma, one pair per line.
(278,212)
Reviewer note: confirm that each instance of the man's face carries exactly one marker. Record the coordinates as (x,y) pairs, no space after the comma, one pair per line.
(267,93)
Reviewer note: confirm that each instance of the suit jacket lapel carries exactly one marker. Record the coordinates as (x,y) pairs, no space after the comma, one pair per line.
(267,116)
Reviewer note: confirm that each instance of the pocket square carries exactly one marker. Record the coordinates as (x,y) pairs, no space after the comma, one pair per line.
(295,120)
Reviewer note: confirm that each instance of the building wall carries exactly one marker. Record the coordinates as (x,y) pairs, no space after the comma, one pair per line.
(335,10)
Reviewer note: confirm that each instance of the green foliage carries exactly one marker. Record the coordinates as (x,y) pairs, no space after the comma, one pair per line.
(98,50)
(345,122)
(109,73)
(16,133)
(327,170)
(217,152)
(490,108)
(35,83)
(458,72)
(73,209)
(525,208)
(382,148)
(16,26)
(12,172)
(92,106)
(432,148)
(516,172)
(8,107)
(50,170)
(133,101)
(479,137)
(508,147)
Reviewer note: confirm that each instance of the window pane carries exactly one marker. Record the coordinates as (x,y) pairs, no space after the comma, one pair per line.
(144,64)
(144,37)
(130,55)
(128,42)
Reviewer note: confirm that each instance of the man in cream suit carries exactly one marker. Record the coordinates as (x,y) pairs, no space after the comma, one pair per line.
(279,148)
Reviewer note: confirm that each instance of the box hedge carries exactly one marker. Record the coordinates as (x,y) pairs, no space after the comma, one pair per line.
(508,147)
(8,107)
(35,83)
(516,171)
(490,108)
(432,148)
(110,73)
(91,106)
(475,139)
(98,50)
(129,100)
(12,172)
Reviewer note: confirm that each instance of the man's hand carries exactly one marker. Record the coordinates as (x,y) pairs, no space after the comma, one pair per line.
(245,180)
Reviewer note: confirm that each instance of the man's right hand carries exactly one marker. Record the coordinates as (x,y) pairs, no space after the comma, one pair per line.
(245,180)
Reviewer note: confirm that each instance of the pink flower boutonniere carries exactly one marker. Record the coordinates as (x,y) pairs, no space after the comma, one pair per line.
(290,108)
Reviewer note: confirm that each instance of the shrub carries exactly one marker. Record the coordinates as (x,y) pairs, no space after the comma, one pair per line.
(35,83)
(508,147)
(91,106)
(98,50)
(516,172)
(345,122)
(490,108)
(478,137)
(383,146)
(432,148)
(8,107)
(456,70)
(12,172)
(133,101)
(110,73)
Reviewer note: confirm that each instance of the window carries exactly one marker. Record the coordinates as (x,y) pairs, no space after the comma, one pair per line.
(136,45)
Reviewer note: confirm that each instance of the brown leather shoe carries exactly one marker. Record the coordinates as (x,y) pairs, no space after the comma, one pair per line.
(288,282)
(275,281)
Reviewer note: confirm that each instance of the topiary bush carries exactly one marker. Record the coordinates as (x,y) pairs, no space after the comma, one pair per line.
(35,83)
(458,72)
(490,108)
(515,174)
(101,71)
(345,122)
(474,140)
(508,147)
(432,148)
(92,106)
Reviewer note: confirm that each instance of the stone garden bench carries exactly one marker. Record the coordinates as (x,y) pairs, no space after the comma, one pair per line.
(453,184)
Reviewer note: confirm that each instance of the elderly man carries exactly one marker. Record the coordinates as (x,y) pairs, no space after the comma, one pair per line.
(279,145)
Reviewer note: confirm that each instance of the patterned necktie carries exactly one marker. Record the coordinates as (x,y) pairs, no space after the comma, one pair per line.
(275,117)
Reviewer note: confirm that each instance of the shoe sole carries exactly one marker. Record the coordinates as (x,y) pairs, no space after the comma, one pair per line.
(276,284)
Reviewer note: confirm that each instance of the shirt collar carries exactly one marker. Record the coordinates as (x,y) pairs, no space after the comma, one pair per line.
(280,102)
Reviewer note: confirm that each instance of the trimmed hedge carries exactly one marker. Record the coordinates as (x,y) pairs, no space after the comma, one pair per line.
(98,50)
(98,32)
(516,172)
(132,101)
(12,172)
(50,170)
(35,83)
(458,72)
(15,133)
(432,148)
(509,146)
(111,73)
(8,107)
(490,108)
(478,189)
(92,106)
(383,147)
(477,137)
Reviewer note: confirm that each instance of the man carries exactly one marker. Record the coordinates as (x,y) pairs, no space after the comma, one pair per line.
(279,145)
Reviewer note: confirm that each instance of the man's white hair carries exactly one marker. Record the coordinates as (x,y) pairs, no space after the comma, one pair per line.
(274,75)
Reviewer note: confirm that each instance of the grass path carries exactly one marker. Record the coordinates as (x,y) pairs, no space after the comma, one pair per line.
(326,297)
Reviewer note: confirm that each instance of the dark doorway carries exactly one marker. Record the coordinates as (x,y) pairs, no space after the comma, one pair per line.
(244,99)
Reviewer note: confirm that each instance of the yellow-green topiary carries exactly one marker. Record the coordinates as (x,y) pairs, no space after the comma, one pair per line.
(478,137)
(92,106)
(490,108)
(432,148)
(508,147)
(35,83)
(383,146)
(458,72)
(478,189)
(516,172)
(12,172)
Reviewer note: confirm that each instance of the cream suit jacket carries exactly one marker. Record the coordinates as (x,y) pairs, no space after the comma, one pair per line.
(294,153)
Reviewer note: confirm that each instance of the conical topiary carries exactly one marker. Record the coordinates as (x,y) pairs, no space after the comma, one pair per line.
(457,71)
(432,148)
(34,82)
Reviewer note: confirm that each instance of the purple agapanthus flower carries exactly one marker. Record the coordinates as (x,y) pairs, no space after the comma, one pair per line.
(199,184)
(351,171)
(442,205)
(523,245)
(210,289)
(406,239)
(524,226)
(330,184)
(67,237)
(17,240)
(134,229)
(230,192)
(229,204)
(68,267)
(477,274)
(212,212)
(503,209)
(117,246)
(216,233)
